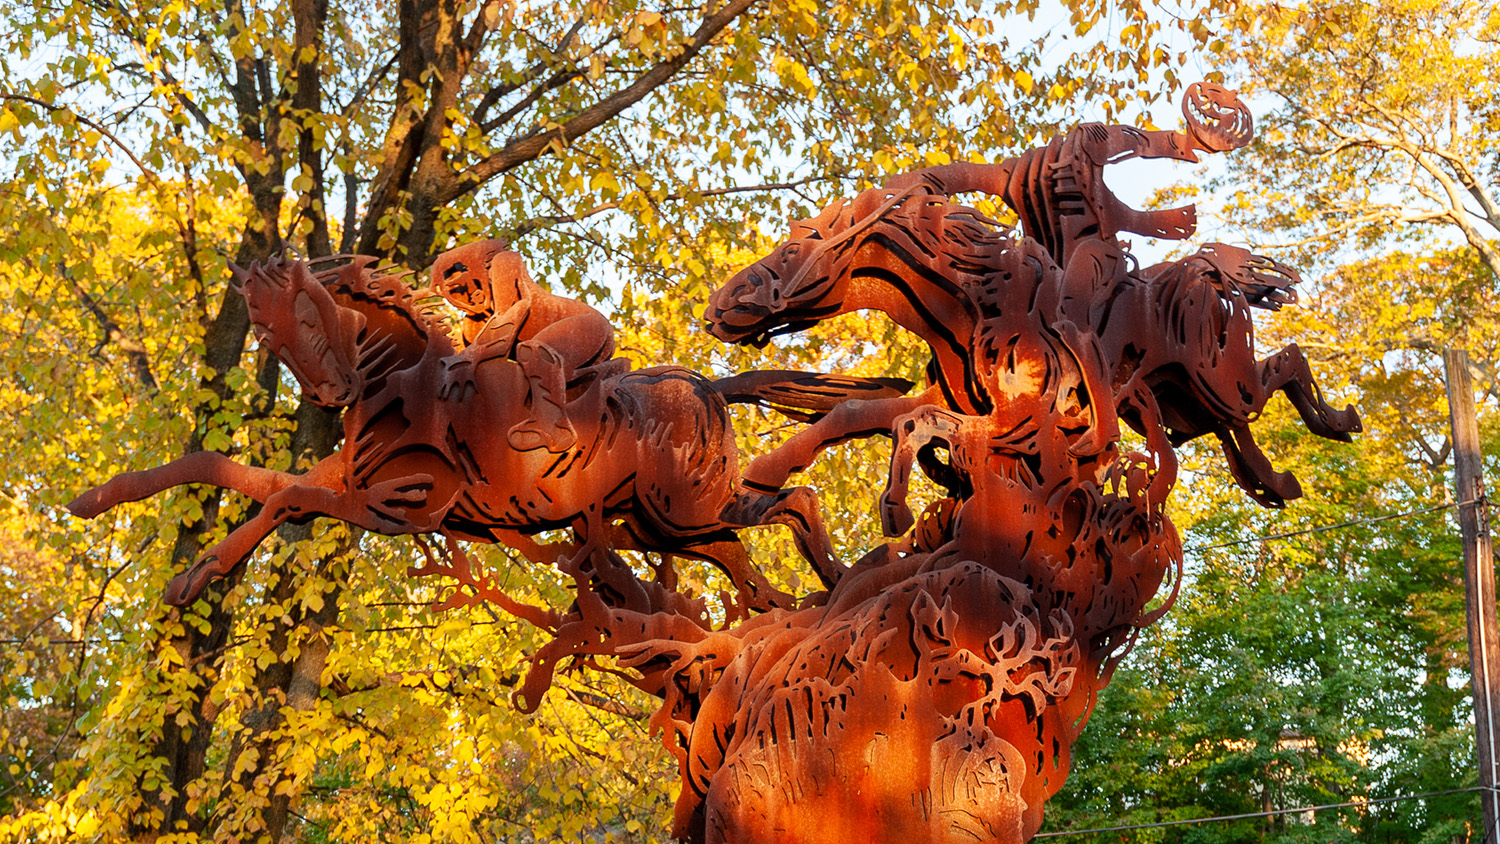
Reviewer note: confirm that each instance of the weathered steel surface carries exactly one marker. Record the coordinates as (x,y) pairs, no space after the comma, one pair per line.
(933,690)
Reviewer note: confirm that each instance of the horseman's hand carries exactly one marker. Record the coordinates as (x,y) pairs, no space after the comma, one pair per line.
(457,379)
(390,500)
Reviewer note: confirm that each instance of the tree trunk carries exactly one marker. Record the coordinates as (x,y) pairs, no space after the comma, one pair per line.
(183,747)
(250,802)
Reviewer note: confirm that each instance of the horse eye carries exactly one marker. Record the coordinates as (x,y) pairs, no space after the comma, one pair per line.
(458,267)
(306,310)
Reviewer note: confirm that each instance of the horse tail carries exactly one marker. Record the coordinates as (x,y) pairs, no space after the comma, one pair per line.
(805,396)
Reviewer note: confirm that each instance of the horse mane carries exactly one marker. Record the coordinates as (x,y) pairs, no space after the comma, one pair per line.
(970,241)
(1234,273)
(397,316)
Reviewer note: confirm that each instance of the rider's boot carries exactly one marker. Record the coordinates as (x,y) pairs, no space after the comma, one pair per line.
(548,426)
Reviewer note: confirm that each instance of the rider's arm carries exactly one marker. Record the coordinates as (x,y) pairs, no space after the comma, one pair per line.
(499,334)
(958,178)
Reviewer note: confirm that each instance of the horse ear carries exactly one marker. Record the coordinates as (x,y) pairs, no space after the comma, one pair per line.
(351,321)
(238,275)
(817,225)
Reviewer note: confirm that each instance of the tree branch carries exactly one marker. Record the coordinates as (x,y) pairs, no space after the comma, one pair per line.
(135,350)
(531,225)
(493,96)
(92,124)
(537,144)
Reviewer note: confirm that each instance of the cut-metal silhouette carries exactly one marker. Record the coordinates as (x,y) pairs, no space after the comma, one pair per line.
(931,691)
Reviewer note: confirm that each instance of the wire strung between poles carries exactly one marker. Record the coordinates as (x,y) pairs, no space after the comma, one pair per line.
(1252,815)
(1272,537)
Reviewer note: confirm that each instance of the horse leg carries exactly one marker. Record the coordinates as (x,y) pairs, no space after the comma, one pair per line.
(203,467)
(595,567)
(1252,470)
(589,628)
(222,558)
(1289,372)
(753,591)
(372,510)
(797,508)
(852,419)
(377,507)
(911,433)
(1162,469)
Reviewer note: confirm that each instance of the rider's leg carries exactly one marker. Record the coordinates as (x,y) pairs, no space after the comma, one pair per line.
(551,359)
(548,425)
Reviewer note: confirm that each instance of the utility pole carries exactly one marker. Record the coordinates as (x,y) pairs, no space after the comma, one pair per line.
(1479,580)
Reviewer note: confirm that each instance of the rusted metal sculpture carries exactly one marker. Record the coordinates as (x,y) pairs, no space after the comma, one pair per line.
(933,690)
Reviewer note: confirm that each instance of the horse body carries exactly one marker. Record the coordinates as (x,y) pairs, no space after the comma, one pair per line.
(1175,343)
(427,452)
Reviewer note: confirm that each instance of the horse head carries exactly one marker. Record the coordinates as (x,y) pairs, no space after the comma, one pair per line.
(296,317)
(801,281)
(769,297)
(1264,282)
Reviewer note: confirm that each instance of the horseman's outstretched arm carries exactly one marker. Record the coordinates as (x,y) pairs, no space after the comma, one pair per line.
(204,467)
(962,177)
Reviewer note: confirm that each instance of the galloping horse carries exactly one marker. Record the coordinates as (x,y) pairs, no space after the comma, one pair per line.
(1176,340)
(1185,329)
(654,451)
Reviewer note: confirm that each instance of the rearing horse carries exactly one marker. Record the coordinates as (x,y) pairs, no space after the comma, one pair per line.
(655,452)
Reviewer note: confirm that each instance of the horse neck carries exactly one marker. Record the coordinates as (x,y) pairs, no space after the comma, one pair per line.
(395,336)
(912,289)
(911,286)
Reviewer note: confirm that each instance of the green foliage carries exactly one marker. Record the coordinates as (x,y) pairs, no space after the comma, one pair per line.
(637,154)
(1332,667)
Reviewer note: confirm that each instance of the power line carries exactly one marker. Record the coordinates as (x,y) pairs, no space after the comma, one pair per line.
(1271,814)
(1339,526)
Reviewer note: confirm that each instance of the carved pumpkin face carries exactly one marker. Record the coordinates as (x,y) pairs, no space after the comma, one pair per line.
(298,320)
(1216,119)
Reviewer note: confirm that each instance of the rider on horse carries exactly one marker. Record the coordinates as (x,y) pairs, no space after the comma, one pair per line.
(507,315)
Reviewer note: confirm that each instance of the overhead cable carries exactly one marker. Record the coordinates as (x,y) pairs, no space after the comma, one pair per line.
(1339,526)
(1252,815)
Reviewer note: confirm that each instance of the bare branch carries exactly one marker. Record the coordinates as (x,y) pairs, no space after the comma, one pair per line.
(135,350)
(493,96)
(531,225)
(92,124)
(539,142)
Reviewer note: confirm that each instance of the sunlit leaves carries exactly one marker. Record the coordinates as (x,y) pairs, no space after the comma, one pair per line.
(147,145)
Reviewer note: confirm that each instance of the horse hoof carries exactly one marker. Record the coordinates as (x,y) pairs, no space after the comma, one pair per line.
(186,587)
(87,505)
(1352,425)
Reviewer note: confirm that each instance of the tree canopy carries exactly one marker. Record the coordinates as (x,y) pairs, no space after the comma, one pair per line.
(638,154)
